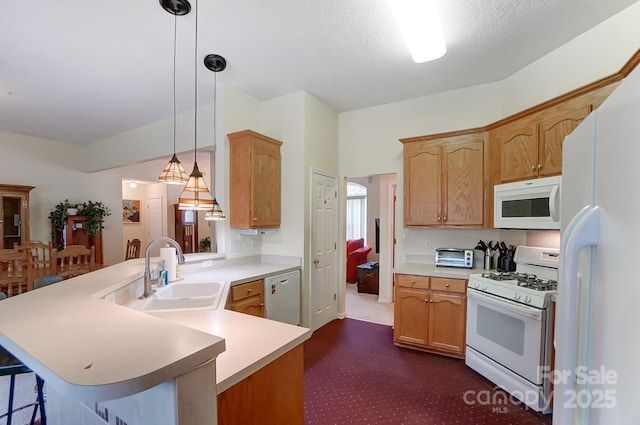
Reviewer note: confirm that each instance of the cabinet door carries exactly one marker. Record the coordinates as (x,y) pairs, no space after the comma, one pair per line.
(265,185)
(447,321)
(422,185)
(552,134)
(411,313)
(463,178)
(252,305)
(12,220)
(518,151)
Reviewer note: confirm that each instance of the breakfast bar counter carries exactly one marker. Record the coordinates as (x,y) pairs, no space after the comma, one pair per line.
(83,340)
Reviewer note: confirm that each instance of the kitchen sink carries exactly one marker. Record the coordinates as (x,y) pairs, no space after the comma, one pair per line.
(154,303)
(182,296)
(182,290)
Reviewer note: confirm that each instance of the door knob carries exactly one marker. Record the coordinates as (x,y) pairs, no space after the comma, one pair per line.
(316,261)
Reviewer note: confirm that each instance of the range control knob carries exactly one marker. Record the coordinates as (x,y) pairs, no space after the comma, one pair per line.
(484,286)
(517,296)
(527,299)
(476,285)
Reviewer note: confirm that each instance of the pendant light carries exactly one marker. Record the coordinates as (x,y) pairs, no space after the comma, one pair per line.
(174,173)
(195,195)
(215,63)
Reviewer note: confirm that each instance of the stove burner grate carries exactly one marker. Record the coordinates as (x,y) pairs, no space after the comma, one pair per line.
(524,280)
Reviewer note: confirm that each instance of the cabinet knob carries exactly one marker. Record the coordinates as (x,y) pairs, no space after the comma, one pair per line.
(413,282)
(255,218)
(426,300)
(445,218)
(539,166)
(438,218)
(249,290)
(447,285)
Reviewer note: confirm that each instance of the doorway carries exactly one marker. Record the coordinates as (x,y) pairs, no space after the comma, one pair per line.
(380,236)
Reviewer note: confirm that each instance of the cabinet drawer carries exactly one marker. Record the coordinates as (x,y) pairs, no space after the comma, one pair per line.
(245,290)
(412,281)
(449,285)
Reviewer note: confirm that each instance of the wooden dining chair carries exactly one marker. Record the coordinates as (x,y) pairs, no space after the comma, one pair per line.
(133,249)
(15,275)
(75,260)
(43,257)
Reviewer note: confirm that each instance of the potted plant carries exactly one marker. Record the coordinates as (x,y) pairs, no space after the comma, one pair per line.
(205,244)
(95,211)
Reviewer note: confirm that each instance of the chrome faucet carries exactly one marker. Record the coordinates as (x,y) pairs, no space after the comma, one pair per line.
(147,267)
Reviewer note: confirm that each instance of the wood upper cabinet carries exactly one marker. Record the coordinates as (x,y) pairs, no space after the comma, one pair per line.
(422,185)
(14,214)
(444,182)
(430,314)
(254,187)
(534,149)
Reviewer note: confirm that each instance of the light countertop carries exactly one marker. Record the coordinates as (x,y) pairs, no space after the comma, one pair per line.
(431,270)
(91,349)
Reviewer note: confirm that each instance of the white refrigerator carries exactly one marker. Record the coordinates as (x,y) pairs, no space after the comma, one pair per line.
(597,331)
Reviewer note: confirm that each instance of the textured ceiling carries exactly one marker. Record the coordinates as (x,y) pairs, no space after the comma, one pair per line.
(81,71)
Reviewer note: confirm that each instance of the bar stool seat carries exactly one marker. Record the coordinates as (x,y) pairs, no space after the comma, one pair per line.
(11,366)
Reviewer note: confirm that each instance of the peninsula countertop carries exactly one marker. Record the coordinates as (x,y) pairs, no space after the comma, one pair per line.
(92,349)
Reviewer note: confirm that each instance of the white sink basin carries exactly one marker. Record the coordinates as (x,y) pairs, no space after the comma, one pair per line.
(189,290)
(204,295)
(177,303)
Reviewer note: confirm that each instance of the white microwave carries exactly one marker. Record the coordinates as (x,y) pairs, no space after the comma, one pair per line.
(529,204)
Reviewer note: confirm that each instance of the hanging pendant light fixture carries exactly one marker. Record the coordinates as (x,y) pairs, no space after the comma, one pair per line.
(215,63)
(195,195)
(174,173)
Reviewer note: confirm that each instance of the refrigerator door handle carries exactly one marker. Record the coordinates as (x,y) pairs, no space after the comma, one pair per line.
(583,231)
(554,203)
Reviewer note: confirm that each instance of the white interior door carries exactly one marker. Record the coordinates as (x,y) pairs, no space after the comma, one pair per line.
(324,234)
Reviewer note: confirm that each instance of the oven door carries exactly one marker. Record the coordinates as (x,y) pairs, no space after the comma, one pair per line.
(507,332)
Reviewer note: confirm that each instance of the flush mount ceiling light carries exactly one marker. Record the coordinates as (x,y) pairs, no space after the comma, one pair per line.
(419,22)
(195,195)
(215,63)
(133,185)
(174,173)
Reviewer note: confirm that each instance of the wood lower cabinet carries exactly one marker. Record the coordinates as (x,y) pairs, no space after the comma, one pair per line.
(430,314)
(247,298)
(254,177)
(274,395)
(444,181)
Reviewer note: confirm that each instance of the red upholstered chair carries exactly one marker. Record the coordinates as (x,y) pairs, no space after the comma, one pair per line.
(357,253)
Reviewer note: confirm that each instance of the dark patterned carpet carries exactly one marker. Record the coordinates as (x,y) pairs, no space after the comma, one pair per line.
(355,375)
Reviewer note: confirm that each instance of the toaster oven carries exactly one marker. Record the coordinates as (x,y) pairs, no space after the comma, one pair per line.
(454,257)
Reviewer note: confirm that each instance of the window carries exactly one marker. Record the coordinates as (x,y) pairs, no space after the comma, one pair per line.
(356,211)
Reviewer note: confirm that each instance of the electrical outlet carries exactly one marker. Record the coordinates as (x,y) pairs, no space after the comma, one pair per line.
(427,243)
(207,263)
(236,245)
(405,234)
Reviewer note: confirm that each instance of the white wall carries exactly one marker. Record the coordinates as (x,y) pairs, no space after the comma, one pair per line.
(369,137)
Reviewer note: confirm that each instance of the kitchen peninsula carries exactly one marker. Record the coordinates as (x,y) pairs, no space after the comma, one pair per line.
(95,353)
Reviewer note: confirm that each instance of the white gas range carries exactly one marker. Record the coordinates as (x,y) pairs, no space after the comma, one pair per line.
(509,325)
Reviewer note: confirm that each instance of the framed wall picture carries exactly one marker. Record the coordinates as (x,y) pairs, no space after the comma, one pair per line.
(131,211)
